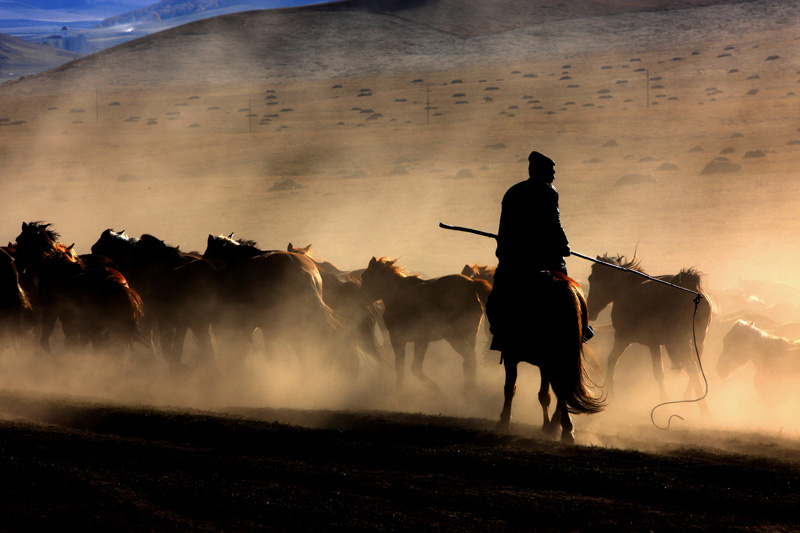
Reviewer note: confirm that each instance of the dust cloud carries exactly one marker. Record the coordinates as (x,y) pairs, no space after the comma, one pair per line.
(379,160)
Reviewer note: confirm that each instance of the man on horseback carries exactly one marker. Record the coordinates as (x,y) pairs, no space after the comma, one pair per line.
(530,235)
(530,241)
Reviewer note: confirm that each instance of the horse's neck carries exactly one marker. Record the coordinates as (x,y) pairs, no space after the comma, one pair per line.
(395,287)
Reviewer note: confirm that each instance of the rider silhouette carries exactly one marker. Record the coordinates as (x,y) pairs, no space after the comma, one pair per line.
(530,235)
(530,240)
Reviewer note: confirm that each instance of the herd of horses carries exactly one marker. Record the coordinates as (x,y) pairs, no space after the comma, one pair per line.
(143,294)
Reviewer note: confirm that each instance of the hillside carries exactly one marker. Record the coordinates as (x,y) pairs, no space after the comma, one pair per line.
(342,39)
(19,56)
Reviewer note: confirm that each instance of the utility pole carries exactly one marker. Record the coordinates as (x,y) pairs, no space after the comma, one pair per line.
(250,114)
(428,105)
(647,73)
(96,104)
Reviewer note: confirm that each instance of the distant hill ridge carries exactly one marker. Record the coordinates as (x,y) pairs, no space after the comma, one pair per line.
(15,51)
(369,37)
(459,17)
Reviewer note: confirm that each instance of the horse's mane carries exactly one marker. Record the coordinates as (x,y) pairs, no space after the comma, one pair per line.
(246,242)
(391,265)
(43,227)
(622,261)
(772,342)
(689,278)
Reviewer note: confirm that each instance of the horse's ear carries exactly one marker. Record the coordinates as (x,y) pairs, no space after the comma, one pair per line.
(70,247)
(373,261)
(121,232)
(290,248)
(24,226)
(231,235)
(307,248)
(210,238)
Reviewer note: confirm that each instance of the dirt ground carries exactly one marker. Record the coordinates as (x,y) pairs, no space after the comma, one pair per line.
(381,159)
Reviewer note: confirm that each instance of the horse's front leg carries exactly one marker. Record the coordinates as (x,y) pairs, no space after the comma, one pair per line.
(616,352)
(658,369)
(420,348)
(509,389)
(399,348)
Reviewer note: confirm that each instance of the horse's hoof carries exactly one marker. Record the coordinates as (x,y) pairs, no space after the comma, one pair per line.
(504,426)
(568,437)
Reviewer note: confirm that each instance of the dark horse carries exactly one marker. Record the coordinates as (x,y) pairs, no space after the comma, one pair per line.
(94,304)
(653,314)
(179,290)
(423,311)
(15,307)
(542,323)
(279,292)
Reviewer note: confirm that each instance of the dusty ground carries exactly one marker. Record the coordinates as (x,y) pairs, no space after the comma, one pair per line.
(378,174)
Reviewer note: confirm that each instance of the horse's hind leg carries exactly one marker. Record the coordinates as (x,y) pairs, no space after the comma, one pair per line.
(567,435)
(509,389)
(420,348)
(549,426)
(466,349)
(658,369)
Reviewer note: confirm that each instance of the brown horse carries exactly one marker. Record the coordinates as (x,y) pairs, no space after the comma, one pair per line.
(180,291)
(776,360)
(15,307)
(342,292)
(653,314)
(542,324)
(279,292)
(479,272)
(423,311)
(94,305)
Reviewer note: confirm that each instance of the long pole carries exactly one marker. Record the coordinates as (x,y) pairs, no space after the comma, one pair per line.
(576,254)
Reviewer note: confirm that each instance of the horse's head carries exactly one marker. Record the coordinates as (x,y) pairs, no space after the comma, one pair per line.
(35,241)
(117,246)
(299,250)
(604,282)
(737,347)
(379,278)
(218,247)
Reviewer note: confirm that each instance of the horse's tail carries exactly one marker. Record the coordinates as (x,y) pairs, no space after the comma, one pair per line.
(482,289)
(568,375)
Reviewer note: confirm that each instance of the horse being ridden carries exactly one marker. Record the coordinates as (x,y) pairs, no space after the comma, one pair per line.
(279,292)
(423,311)
(541,321)
(180,291)
(653,314)
(776,360)
(95,305)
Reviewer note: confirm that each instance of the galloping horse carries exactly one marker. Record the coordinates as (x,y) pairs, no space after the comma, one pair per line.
(479,272)
(542,324)
(14,304)
(280,292)
(93,304)
(342,292)
(423,311)
(653,314)
(776,360)
(180,291)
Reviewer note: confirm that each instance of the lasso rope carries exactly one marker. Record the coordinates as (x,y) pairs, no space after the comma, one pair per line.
(702,373)
(698,298)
